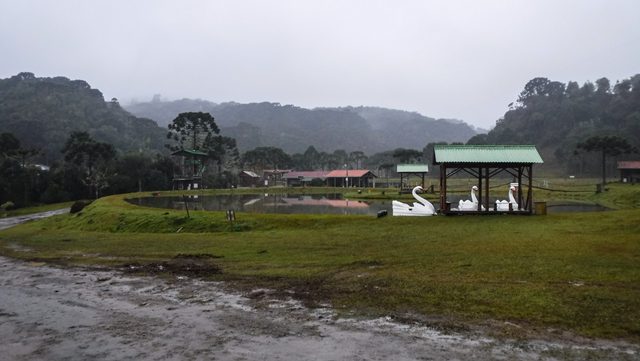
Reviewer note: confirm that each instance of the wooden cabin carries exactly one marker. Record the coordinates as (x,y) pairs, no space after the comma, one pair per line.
(275,177)
(363,178)
(304,178)
(629,171)
(249,179)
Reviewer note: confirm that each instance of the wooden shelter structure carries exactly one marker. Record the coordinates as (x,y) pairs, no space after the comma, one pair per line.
(484,162)
(411,170)
(191,165)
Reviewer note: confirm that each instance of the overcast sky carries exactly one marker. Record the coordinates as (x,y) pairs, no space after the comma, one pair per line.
(445,59)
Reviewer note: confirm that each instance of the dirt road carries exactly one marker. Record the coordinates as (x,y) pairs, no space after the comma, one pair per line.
(12,221)
(50,313)
(75,314)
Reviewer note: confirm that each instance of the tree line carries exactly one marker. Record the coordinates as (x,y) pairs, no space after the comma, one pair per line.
(567,122)
(558,117)
(89,168)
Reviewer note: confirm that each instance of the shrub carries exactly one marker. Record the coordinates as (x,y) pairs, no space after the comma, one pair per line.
(7,206)
(316,182)
(77,206)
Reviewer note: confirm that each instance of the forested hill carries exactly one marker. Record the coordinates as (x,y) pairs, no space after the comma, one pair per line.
(398,125)
(42,112)
(557,116)
(293,129)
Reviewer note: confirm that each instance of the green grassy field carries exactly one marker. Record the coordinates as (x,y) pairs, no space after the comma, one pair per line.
(576,271)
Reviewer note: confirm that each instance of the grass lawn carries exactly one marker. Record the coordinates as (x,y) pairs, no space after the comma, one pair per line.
(575,271)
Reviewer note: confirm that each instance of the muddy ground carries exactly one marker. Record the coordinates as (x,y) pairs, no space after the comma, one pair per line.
(54,313)
(49,313)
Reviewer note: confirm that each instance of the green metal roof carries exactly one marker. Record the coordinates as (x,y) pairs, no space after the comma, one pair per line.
(412,168)
(527,154)
(187,152)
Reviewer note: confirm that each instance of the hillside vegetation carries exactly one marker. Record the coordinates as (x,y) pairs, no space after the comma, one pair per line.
(42,112)
(294,129)
(556,117)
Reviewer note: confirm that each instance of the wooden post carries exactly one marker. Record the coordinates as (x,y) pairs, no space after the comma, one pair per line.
(486,187)
(530,191)
(186,207)
(480,199)
(443,186)
(520,171)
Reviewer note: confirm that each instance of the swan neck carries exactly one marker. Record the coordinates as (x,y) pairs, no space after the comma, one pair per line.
(417,197)
(473,196)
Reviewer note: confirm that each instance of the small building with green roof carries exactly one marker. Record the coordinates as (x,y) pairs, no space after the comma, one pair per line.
(406,171)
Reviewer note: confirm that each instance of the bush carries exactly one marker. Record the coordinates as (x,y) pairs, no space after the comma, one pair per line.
(7,206)
(77,206)
(316,182)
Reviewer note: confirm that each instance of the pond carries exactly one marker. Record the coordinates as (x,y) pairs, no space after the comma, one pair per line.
(559,207)
(270,203)
(310,204)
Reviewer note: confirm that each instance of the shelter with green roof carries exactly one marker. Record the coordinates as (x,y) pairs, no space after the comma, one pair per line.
(191,165)
(406,171)
(485,162)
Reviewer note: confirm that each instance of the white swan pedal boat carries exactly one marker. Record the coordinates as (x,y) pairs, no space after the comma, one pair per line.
(421,208)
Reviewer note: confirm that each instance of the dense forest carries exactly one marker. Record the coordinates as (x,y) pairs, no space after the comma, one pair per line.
(42,112)
(557,117)
(367,129)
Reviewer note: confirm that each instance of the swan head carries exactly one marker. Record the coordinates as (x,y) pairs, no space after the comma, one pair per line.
(418,189)
(513,189)
(475,188)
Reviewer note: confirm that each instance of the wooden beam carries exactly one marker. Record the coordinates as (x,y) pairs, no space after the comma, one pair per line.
(443,187)
(530,191)
(520,170)
(480,199)
(486,187)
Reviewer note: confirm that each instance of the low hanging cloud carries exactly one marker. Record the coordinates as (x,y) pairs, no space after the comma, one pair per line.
(459,59)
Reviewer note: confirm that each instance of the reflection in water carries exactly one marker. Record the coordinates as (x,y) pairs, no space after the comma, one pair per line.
(269,203)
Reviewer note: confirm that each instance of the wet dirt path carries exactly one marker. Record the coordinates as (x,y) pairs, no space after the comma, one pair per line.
(76,314)
(51,313)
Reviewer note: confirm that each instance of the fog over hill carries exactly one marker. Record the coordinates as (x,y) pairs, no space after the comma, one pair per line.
(292,128)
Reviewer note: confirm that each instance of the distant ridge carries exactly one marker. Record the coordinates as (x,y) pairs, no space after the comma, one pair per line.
(292,128)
